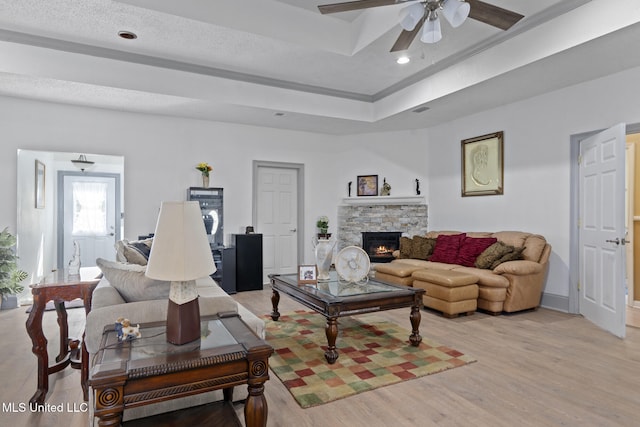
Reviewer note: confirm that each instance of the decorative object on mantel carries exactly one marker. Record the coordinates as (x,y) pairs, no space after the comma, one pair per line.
(350,182)
(367,185)
(482,165)
(323,249)
(323,227)
(417,187)
(204,168)
(386,188)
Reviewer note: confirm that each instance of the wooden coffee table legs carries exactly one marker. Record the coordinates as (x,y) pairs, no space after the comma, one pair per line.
(275,300)
(331,330)
(415,318)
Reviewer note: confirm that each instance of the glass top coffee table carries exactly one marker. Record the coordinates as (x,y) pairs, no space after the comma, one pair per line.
(335,298)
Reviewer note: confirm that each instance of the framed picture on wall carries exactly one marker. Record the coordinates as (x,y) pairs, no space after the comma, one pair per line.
(482,165)
(307,274)
(367,185)
(40,175)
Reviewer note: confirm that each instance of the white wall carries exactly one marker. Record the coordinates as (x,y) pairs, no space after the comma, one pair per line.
(536,163)
(161,153)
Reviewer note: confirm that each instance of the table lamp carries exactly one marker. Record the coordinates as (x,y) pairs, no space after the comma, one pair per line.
(180,253)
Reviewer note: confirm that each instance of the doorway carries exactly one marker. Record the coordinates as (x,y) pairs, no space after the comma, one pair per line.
(633,229)
(88,214)
(278,214)
(575,289)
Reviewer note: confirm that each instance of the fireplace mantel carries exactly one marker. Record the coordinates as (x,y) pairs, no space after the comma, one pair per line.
(385,200)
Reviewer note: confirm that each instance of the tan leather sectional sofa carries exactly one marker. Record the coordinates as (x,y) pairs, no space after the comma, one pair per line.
(509,287)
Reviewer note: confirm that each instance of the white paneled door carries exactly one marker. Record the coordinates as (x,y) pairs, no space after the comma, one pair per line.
(89,218)
(277,219)
(602,229)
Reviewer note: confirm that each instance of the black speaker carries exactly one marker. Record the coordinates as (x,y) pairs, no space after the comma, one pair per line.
(248,261)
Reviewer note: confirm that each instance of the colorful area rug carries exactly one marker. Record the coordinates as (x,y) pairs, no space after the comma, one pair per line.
(372,353)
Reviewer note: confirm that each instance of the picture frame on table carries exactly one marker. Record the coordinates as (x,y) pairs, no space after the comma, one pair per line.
(307,274)
(367,185)
(40,185)
(483,165)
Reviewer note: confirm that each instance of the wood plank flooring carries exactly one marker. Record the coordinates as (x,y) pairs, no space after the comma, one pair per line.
(538,368)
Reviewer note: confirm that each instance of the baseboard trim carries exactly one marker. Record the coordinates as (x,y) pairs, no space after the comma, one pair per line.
(555,302)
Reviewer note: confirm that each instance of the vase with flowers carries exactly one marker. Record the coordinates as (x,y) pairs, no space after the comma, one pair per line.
(204,169)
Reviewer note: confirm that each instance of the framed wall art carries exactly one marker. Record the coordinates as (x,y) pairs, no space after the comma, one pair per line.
(367,185)
(482,165)
(307,274)
(40,176)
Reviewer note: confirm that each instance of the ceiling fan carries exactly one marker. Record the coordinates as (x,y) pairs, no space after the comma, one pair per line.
(413,17)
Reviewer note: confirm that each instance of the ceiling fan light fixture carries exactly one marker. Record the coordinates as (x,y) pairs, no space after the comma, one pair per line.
(456,12)
(410,16)
(431,33)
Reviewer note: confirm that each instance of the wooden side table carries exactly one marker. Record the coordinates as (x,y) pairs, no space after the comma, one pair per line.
(60,287)
(148,370)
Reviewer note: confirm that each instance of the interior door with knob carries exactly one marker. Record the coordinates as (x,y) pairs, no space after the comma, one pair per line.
(88,213)
(277,219)
(602,229)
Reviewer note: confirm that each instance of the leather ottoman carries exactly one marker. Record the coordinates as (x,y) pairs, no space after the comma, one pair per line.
(396,273)
(447,291)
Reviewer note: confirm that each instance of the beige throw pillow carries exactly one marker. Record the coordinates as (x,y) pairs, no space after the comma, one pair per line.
(130,281)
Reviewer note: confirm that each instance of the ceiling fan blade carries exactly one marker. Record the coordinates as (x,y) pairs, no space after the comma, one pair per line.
(406,38)
(493,15)
(355,5)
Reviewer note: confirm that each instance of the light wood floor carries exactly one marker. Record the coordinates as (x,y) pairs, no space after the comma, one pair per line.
(541,368)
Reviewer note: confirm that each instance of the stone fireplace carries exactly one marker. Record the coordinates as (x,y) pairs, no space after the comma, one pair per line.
(406,215)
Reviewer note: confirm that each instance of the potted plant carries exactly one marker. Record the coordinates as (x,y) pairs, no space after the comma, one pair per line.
(323,227)
(10,275)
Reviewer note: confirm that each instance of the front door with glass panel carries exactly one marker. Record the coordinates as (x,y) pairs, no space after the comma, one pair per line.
(88,216)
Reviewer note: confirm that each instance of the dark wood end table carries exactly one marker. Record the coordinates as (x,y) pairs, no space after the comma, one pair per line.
(335,298)
(60,287)
(149,369)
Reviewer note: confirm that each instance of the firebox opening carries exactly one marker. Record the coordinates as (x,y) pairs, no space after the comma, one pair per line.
(381,245)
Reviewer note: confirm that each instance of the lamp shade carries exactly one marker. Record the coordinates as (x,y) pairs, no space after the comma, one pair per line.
(455,12)
(411,15)
(431,32)
(180,250)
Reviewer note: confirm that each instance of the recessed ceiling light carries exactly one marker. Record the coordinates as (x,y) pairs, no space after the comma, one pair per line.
(278,114)
(403,60)
(127,35)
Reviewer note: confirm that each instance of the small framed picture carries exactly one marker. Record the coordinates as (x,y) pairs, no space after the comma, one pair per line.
(40,178)
(307,274)
(367,185)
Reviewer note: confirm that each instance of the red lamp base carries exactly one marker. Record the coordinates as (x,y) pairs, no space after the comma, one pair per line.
(183,322)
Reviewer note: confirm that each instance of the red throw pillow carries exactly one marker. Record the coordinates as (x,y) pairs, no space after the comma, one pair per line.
(447,247)
(471,248)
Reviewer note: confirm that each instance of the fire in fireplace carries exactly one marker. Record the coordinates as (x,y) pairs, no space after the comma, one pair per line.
(380,245)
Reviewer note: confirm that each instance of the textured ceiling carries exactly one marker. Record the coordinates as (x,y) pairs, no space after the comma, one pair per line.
(242,61)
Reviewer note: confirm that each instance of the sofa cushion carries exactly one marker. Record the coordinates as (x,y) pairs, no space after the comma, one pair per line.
(130,281)
(134,252)
(422,247)
(471,248)
(514,255)
(492,254)
(485,277)
(406,247)
(447,247)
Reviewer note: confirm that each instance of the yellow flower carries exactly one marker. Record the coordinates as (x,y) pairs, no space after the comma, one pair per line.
(204,168)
